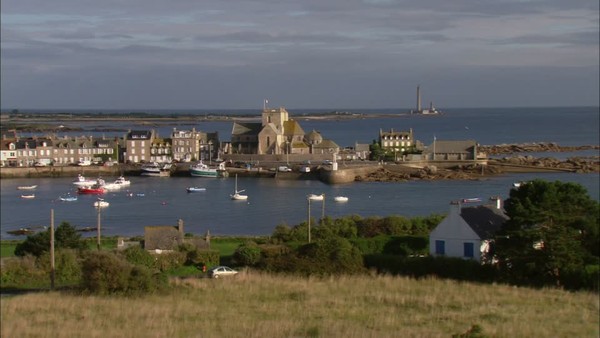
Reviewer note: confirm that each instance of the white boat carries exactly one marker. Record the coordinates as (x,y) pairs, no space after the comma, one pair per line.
(314,197)
(155,169)
(30,196)
(519,184)
(471,200)
(237,193)
(81,181)
(100,203)
(195,189)
(340,199)
(27,187)
(203,170)
(118,184)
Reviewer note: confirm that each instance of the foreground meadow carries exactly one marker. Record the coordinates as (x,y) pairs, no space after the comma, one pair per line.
(254,304)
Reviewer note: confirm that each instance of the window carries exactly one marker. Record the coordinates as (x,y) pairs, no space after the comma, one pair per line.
(468,249)
(440,247)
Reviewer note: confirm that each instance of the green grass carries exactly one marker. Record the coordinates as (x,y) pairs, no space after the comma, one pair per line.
(7,248)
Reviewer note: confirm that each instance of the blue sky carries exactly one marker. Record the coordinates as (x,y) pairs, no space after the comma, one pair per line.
(334,54)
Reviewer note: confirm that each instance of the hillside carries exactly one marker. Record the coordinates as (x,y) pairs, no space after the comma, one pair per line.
(261,305)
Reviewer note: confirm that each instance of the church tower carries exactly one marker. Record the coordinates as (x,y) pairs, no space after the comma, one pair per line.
(276,116)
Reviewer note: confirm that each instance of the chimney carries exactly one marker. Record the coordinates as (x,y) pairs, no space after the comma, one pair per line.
(497,202)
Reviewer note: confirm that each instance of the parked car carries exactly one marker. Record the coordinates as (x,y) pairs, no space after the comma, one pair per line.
(284,168)
(305,169)
(221,271)
(327,162)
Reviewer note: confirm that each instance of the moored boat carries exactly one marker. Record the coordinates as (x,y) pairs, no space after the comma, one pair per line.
(340,199)
(237,193)
(26,187)
(195,189)
(30,196)
(314,197)
(81,181)
(201,169)
(68,198)
(119,183)
(100,203)
(93,190)
(156,169)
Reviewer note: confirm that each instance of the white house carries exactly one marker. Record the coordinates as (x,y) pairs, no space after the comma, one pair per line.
(466,231)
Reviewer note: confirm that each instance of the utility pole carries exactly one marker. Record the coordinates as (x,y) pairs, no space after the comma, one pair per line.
(308,199)
(323,210)
(52,271)
(98,226)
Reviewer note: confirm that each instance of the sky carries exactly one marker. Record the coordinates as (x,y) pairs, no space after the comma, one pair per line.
(303,54)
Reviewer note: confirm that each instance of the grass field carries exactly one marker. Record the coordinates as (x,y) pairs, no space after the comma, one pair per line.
(254,304)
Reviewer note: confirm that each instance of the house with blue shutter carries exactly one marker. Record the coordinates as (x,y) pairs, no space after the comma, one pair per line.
(467,231)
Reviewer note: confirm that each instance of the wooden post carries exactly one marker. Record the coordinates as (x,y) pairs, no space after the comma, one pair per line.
(52,271)
(323,210)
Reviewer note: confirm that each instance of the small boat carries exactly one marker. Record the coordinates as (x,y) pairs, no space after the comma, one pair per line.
(21,232)
(100,203)
(237,193)
(314,197)
(93,190)
(471,200)
(519,184)
(30,196)
(86,229)
(202,170)
(340,199)
(118,184)
(195,189)
(81,181)
(27,187)
(68,198)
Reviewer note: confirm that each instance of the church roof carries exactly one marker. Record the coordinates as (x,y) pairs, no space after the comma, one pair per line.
(249,128)
(292,127)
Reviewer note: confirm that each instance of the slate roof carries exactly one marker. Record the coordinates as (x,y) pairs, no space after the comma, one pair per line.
(139,135)
(453,147)
(485,221)
(249,128)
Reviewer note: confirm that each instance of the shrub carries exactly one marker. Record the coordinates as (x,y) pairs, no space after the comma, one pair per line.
(247,254)
(67,267)
(136,255)
(65,236)
(19,271)
(170,260)
(199,257)
(104,273)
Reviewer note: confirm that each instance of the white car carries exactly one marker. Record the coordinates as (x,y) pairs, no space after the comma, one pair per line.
(221,271)
(284,169)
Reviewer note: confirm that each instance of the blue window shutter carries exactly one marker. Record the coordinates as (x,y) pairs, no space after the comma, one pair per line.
(468,249)
(440,247)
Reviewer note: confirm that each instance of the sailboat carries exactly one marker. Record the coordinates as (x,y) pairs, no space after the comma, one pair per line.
(236,195)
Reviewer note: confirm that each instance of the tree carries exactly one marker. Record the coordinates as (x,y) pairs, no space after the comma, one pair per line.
(552,231)
(65,236)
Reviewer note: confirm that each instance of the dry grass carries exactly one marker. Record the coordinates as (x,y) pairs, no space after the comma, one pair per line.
(261,305)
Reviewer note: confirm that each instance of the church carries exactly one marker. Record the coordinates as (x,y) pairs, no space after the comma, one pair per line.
(277,134)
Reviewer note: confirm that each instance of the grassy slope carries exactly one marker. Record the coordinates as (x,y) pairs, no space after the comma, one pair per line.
(260,305)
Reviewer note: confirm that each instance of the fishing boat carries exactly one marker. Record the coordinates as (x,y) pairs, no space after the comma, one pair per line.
(471,200)
(195,189)
(201,169)
(237,193)
(27,187)
(100,203)
(81,181)
(156,169)
(21,231)
(314,197)
(30,196)
(68,198)
(340,199)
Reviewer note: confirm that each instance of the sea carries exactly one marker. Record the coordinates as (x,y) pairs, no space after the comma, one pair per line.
(272,202)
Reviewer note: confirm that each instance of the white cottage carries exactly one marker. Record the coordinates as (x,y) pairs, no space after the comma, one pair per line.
(466,232)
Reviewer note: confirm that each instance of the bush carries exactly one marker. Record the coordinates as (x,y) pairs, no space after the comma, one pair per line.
(67,267)
(247,254)
(170,260)
(200,257)
(104,273)
(65,236)
(136,255)
(20,271)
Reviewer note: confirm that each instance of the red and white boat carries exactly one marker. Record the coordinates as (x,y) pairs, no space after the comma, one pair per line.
(81,181)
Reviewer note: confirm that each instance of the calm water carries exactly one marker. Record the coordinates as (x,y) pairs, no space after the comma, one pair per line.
(272,202)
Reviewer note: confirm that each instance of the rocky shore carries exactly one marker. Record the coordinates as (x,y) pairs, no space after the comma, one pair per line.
(531,148)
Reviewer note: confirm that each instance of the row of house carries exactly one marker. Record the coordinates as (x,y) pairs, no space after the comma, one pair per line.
(276,134)
(138,146)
